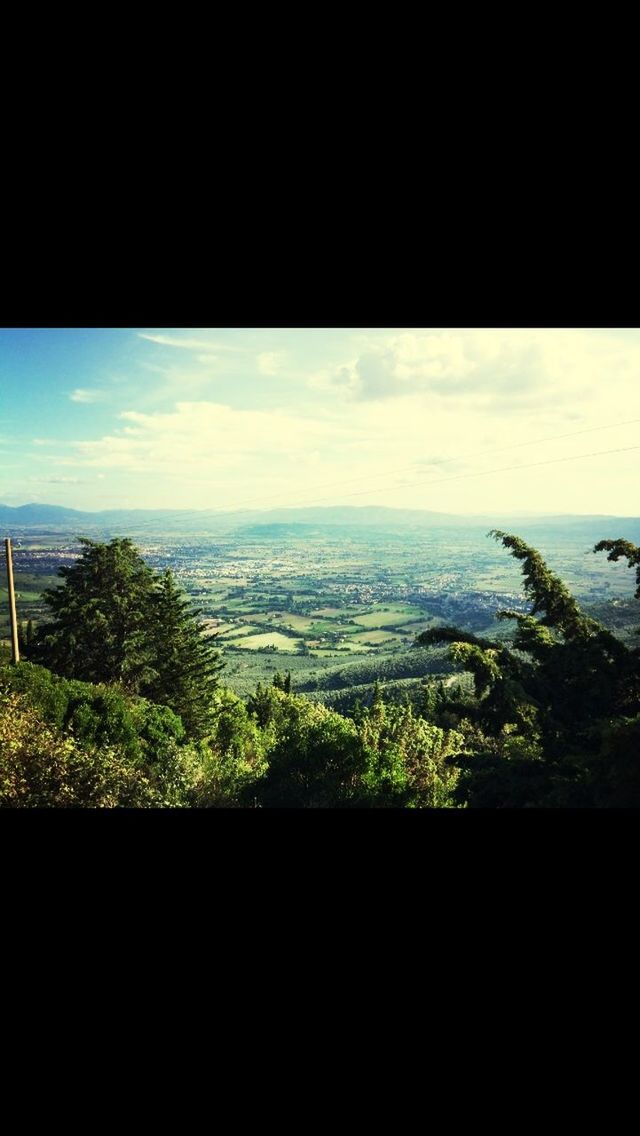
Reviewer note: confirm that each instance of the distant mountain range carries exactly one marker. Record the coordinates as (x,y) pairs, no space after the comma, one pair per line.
(212,520)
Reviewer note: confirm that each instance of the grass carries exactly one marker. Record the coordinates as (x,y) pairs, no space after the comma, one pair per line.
(376,637)
(329,612)
(238,606)
(386,618)
(334,653)
(420,625)
(269,639)
(400,607)
(294,621)
(217,626)
(238,631)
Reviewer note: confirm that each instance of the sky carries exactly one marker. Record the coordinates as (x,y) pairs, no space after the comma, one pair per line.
(452,420)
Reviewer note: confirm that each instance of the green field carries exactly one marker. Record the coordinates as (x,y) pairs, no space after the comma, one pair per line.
(412,630)
(387,618)
(377,637)
(294,621)
(353,603)
(241,632)
(351,646)
(216,626)
(346,612)
(269,639)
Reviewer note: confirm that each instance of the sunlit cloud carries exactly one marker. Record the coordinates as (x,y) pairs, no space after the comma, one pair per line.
(314,415)
(189,344)
(57,481)
(489,370)
(270,362)
(87,396)
(249,452)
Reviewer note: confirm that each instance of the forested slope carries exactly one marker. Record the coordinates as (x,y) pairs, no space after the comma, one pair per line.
(120,702)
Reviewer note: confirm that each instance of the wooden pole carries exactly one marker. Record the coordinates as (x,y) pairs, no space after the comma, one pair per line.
(15,650)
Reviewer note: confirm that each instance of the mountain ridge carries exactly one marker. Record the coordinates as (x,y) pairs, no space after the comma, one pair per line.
(36,514)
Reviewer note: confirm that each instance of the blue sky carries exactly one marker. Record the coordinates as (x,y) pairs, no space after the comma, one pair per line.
(98,418)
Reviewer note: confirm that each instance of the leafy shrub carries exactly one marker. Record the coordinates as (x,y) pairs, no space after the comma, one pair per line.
(315,756)
(232,758)
(97,714)
(42,768)
(406,759)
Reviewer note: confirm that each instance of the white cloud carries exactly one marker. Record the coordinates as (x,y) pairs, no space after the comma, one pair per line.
(203,445)
(57,481)
(270,362)
(189,344)
(381,415)
(486,367)
(495,373)
(342,378)
(81,395)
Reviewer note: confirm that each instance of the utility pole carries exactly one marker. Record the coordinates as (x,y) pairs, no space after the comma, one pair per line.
(15,650)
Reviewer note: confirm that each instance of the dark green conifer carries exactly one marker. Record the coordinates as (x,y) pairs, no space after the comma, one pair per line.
(551,708)
(100,613)
(185,664)
(282,682)
(115,620)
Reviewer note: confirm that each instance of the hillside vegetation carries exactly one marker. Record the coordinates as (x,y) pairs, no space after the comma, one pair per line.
(120,702)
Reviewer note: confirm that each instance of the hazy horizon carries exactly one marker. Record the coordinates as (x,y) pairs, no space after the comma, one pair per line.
(300,508)
(538,422)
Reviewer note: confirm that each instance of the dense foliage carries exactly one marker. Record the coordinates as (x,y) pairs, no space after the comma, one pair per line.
(124,708)
(556,716)
(42,767)
(69,743)
(115,620)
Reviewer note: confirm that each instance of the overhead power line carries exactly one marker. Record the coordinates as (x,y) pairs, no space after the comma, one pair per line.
(460,477)
(256,502)
(487,472)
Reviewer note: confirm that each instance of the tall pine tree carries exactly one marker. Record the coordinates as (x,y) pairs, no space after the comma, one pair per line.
(186,665)
(99,617)
(116,620)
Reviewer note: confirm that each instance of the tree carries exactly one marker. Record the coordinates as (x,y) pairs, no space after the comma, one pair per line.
(25,638)
(622,550)
(117,621)
(556,712)
(185,664)
(406,758)
(233,756)
(282,682)
(315,756)
(100,614)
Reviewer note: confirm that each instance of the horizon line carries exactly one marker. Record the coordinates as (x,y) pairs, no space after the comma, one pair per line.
(303,508)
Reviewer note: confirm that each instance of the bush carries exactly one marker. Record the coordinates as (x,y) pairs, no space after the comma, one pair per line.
(232,757)
(315,756)
(97,714)
(42,768)
(407,759)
